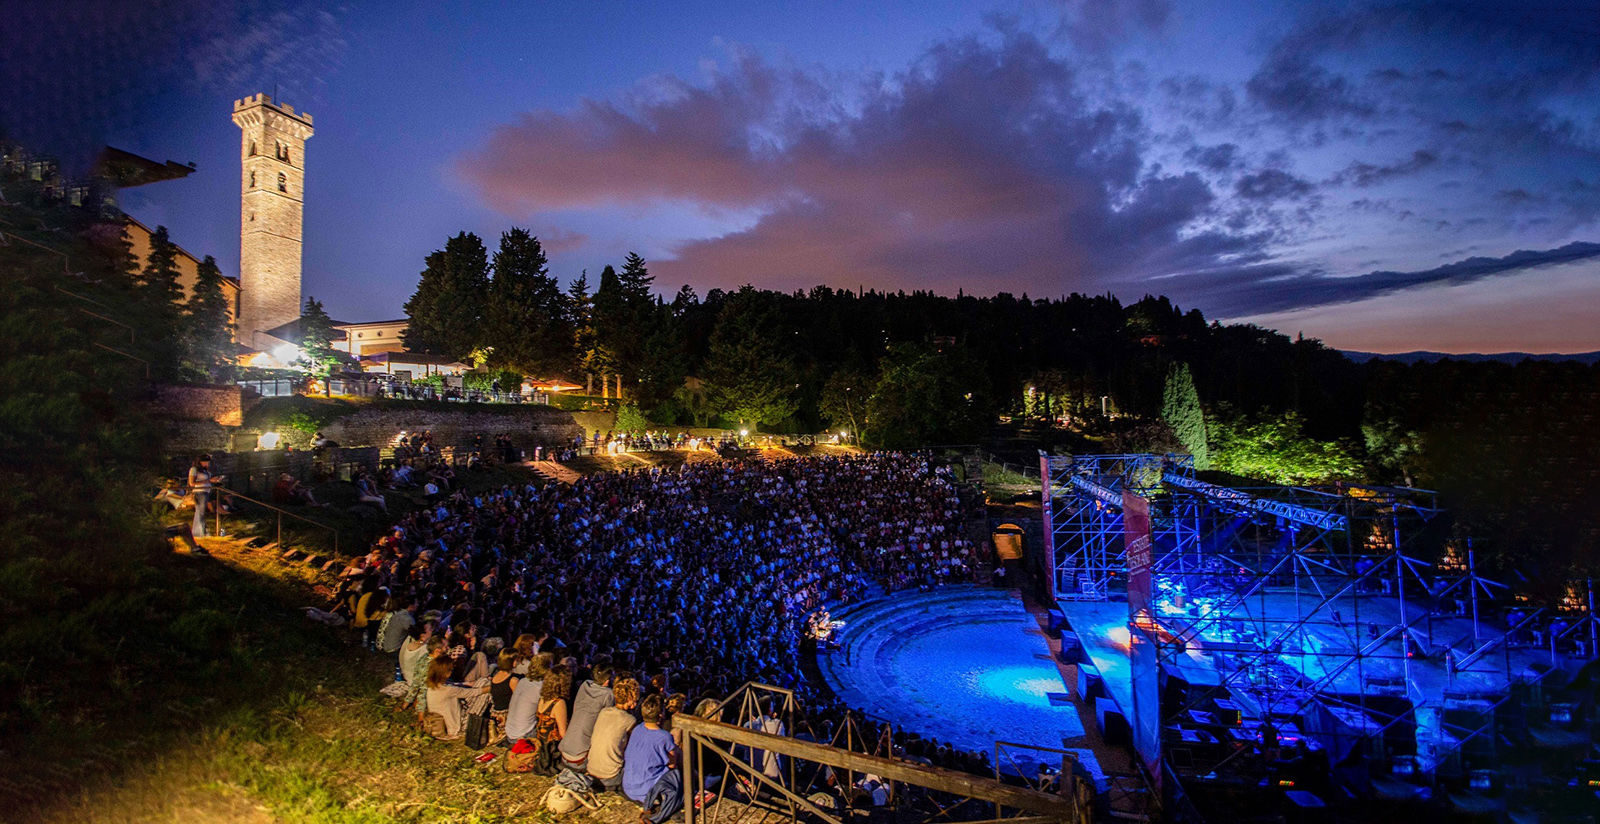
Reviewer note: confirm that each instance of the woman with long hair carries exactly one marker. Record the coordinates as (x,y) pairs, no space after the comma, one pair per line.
(552,715)
(200,483)
(444,698)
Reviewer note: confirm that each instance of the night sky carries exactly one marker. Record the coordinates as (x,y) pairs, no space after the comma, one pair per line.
(1384,177)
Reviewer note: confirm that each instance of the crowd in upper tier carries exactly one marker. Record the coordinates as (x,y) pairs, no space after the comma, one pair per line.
(637,592)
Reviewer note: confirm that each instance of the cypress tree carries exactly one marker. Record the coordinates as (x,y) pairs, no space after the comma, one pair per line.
(1180,408)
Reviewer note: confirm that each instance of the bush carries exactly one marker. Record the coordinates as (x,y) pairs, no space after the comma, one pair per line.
(630,419)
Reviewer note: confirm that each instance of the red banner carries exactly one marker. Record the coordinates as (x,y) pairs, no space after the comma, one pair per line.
(1145,659)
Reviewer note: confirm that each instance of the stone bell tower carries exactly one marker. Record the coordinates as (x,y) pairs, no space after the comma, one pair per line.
(271,207)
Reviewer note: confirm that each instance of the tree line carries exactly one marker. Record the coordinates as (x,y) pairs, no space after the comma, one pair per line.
(824,357)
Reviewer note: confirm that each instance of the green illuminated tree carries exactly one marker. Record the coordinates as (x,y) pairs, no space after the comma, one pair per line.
(1180,408)
(1273,448)
(316,339)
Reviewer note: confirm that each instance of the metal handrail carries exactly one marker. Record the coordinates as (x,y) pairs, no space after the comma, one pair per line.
(280,512)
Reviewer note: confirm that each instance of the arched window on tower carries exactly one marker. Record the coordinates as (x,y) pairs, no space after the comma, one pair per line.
(252,180)
(252,148)
(283,183)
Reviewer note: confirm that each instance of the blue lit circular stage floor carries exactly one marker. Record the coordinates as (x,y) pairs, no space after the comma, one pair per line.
(964,665)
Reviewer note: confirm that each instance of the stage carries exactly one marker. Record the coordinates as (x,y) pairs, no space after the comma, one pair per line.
(1321,652)
(968,666)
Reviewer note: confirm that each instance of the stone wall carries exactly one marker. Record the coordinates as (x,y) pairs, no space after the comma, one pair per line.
(527,425)
(376,426)
(194,437)
(224,405)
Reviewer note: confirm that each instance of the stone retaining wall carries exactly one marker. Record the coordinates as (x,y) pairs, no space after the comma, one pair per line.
(527,426)
(224,405)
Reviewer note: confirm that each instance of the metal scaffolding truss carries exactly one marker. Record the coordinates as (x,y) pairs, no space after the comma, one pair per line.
(1083,503)
(1346,616)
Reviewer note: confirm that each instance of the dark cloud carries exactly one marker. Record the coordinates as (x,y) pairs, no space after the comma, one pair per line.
(1366,174)
(982,167)
(1272,184)
(1098,25)
(1223,157)
(1291,86)
(1277,287)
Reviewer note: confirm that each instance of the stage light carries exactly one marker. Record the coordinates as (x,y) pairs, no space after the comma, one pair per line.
(286,353)
(268,440)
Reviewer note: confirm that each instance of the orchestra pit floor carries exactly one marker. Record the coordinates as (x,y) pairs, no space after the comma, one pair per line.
(965,665)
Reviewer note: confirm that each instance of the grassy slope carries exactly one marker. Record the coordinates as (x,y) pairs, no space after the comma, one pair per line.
(292,730)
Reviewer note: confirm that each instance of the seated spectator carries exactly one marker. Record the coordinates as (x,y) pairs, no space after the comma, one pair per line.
(522,713)
(366,610)
(397,622)
(502,685)
(594,696)
(169,497)
(367,492)
(550,723)
(650,766)
(610,739)
(445,699)
(414,650)
(290,492)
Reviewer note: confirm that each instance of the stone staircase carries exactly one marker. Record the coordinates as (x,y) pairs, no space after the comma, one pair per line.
(553,472)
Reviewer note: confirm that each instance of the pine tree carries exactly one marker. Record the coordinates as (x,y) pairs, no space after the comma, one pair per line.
(593,359)
(210,332)
(161,299)
(1180,408)
(636,280)
(316,339)
(445,315)
(529,328)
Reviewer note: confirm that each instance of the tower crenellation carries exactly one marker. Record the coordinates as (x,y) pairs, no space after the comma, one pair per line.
(271,211)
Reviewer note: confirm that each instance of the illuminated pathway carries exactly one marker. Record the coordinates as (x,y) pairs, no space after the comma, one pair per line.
(964,665)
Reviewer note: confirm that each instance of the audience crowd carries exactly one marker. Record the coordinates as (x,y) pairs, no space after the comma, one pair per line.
(627,594)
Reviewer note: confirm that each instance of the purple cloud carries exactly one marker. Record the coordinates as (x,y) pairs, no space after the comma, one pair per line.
(981,167)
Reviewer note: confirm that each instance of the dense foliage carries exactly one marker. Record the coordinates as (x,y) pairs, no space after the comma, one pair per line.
(1180,408)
